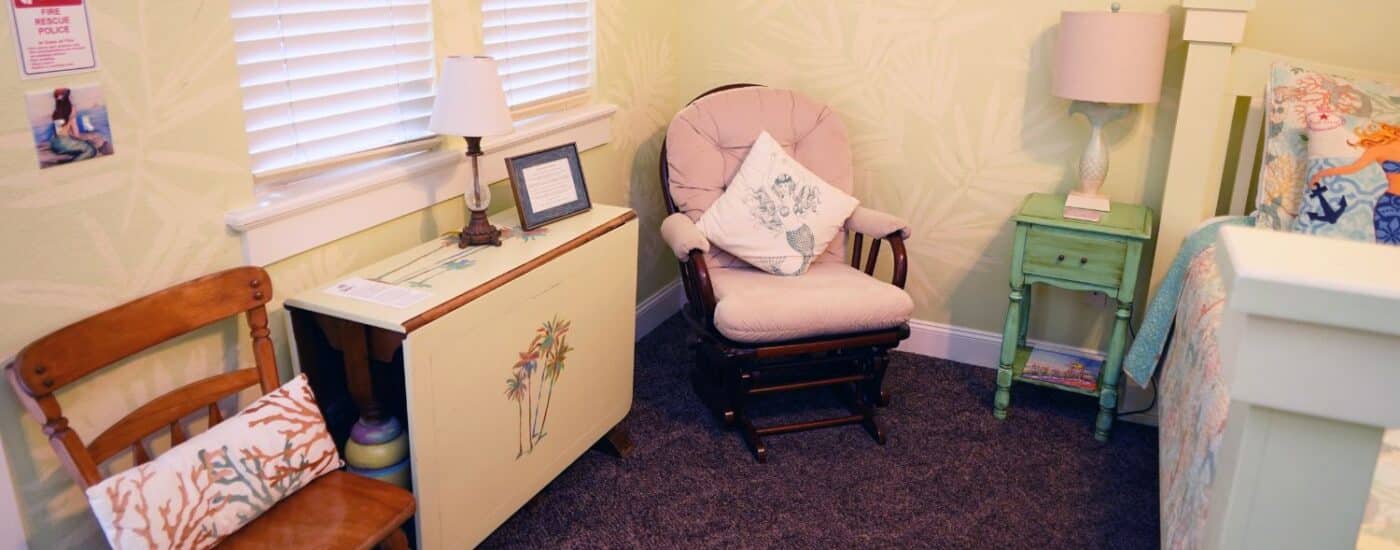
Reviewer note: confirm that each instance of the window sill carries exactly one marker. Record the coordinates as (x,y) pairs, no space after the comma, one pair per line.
(293,217)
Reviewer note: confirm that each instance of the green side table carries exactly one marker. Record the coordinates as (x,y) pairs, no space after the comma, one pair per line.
(1074,255)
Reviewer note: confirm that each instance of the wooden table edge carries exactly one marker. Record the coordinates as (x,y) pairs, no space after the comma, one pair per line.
(413,323)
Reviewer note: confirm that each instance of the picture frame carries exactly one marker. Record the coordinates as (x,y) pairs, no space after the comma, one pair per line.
(548,186)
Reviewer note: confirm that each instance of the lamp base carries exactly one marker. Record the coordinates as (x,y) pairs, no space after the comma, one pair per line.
(1086,201)
(479,231)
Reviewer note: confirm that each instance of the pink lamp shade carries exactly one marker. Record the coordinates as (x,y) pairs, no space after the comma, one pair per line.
(1110,57)
(470,101)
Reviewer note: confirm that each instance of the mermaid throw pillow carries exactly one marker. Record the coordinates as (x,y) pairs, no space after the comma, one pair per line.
(776,214)
(1353,189)
(1296,99)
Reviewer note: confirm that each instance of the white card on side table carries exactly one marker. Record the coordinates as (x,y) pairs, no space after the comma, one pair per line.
(376,292)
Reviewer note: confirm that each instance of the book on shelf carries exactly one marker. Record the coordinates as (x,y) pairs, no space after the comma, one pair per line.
(1063,369)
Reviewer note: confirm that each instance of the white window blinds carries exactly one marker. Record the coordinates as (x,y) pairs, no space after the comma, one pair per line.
(544,47)
(328,78)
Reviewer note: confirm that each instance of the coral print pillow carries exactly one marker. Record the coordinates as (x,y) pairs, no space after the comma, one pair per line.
(776,214)
(1353,180)
(204,489)
(1297,100)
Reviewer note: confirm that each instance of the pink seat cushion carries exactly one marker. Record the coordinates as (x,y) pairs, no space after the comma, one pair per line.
(708,140)
(831,298)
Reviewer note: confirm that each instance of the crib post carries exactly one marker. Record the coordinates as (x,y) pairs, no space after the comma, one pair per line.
(1213,28)
(1308,355)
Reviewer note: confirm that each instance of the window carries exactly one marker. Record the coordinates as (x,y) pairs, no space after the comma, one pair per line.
(323,79)
(544,48)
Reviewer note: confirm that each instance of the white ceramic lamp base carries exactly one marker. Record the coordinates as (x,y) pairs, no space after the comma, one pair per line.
(1093,166)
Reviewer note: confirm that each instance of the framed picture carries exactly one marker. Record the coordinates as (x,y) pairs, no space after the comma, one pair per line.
(548,186)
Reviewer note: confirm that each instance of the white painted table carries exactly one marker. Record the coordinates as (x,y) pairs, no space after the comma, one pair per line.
(493,410)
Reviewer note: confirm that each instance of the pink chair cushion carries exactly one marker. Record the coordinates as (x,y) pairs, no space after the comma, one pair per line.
(708,140)
(831,298)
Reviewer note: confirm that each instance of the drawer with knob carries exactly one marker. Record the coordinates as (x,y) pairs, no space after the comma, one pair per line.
(1074,256)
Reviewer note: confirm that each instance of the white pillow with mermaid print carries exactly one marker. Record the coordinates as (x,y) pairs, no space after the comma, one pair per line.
(1295,100)
(1353,179)
(776,214)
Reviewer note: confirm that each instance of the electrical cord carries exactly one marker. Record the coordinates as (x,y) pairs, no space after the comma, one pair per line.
(1156,372)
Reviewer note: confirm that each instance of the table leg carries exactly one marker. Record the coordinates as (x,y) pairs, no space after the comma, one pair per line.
(616,442)
(1025,315)
(355,348)
(378,444)
(1113,364)
(1008,353)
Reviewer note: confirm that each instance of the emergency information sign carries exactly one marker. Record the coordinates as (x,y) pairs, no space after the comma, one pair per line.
(54,37)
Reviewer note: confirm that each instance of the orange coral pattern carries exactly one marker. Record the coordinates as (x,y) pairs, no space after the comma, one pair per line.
(204,489)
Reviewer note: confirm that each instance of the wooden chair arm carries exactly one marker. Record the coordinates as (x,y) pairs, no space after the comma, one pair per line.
(901,257)
(704,289)
(901,260)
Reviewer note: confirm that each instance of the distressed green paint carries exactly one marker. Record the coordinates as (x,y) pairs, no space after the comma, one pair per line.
(1130,221)
(1073,255)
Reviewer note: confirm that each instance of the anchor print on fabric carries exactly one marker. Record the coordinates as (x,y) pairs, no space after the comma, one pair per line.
(1329,213)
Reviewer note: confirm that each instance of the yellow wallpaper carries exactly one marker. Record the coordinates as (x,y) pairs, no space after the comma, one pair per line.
(947,102)
(949,109)
(1348,33)
(90,235)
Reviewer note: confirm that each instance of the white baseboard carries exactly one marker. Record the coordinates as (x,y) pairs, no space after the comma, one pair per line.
(659,307)
(970,346)
(983,349)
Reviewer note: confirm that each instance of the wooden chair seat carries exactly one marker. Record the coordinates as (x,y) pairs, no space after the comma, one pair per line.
(339,510)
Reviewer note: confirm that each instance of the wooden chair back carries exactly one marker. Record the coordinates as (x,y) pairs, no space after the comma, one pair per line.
(77,350)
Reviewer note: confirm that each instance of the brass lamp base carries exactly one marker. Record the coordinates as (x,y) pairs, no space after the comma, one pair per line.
(479,231)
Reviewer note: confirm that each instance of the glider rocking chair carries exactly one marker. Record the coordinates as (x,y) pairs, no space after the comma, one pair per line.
(754,333)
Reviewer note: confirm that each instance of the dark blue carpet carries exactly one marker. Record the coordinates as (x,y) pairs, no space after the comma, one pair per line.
(950,475)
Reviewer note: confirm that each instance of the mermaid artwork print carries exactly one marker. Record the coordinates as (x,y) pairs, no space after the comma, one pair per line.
(65,140)
(1380,143)
(69,125)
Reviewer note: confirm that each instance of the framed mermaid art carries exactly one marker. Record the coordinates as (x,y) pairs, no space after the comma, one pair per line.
(69,125)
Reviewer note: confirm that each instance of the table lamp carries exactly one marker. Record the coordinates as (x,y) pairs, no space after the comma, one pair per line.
(471,103)
(1106,61)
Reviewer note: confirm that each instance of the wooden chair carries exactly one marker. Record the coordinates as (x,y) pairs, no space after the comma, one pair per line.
(338,510)
(728,372)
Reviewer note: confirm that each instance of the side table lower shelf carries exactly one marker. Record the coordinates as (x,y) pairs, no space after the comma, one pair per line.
(1023,354)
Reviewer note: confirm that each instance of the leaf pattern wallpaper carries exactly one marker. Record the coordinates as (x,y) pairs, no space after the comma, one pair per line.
(95,234)
(947,102)
(949,110)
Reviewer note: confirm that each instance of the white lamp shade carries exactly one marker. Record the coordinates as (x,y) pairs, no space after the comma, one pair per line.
(1110,57)
(470,101)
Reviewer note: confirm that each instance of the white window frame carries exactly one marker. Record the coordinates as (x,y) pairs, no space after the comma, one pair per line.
(298,210)
(292,217)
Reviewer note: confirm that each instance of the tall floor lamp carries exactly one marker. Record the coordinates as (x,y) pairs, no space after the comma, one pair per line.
(471,103)
(1106,61)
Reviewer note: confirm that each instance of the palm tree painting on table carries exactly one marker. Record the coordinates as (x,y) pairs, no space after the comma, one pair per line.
(548,349)
(516,389)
